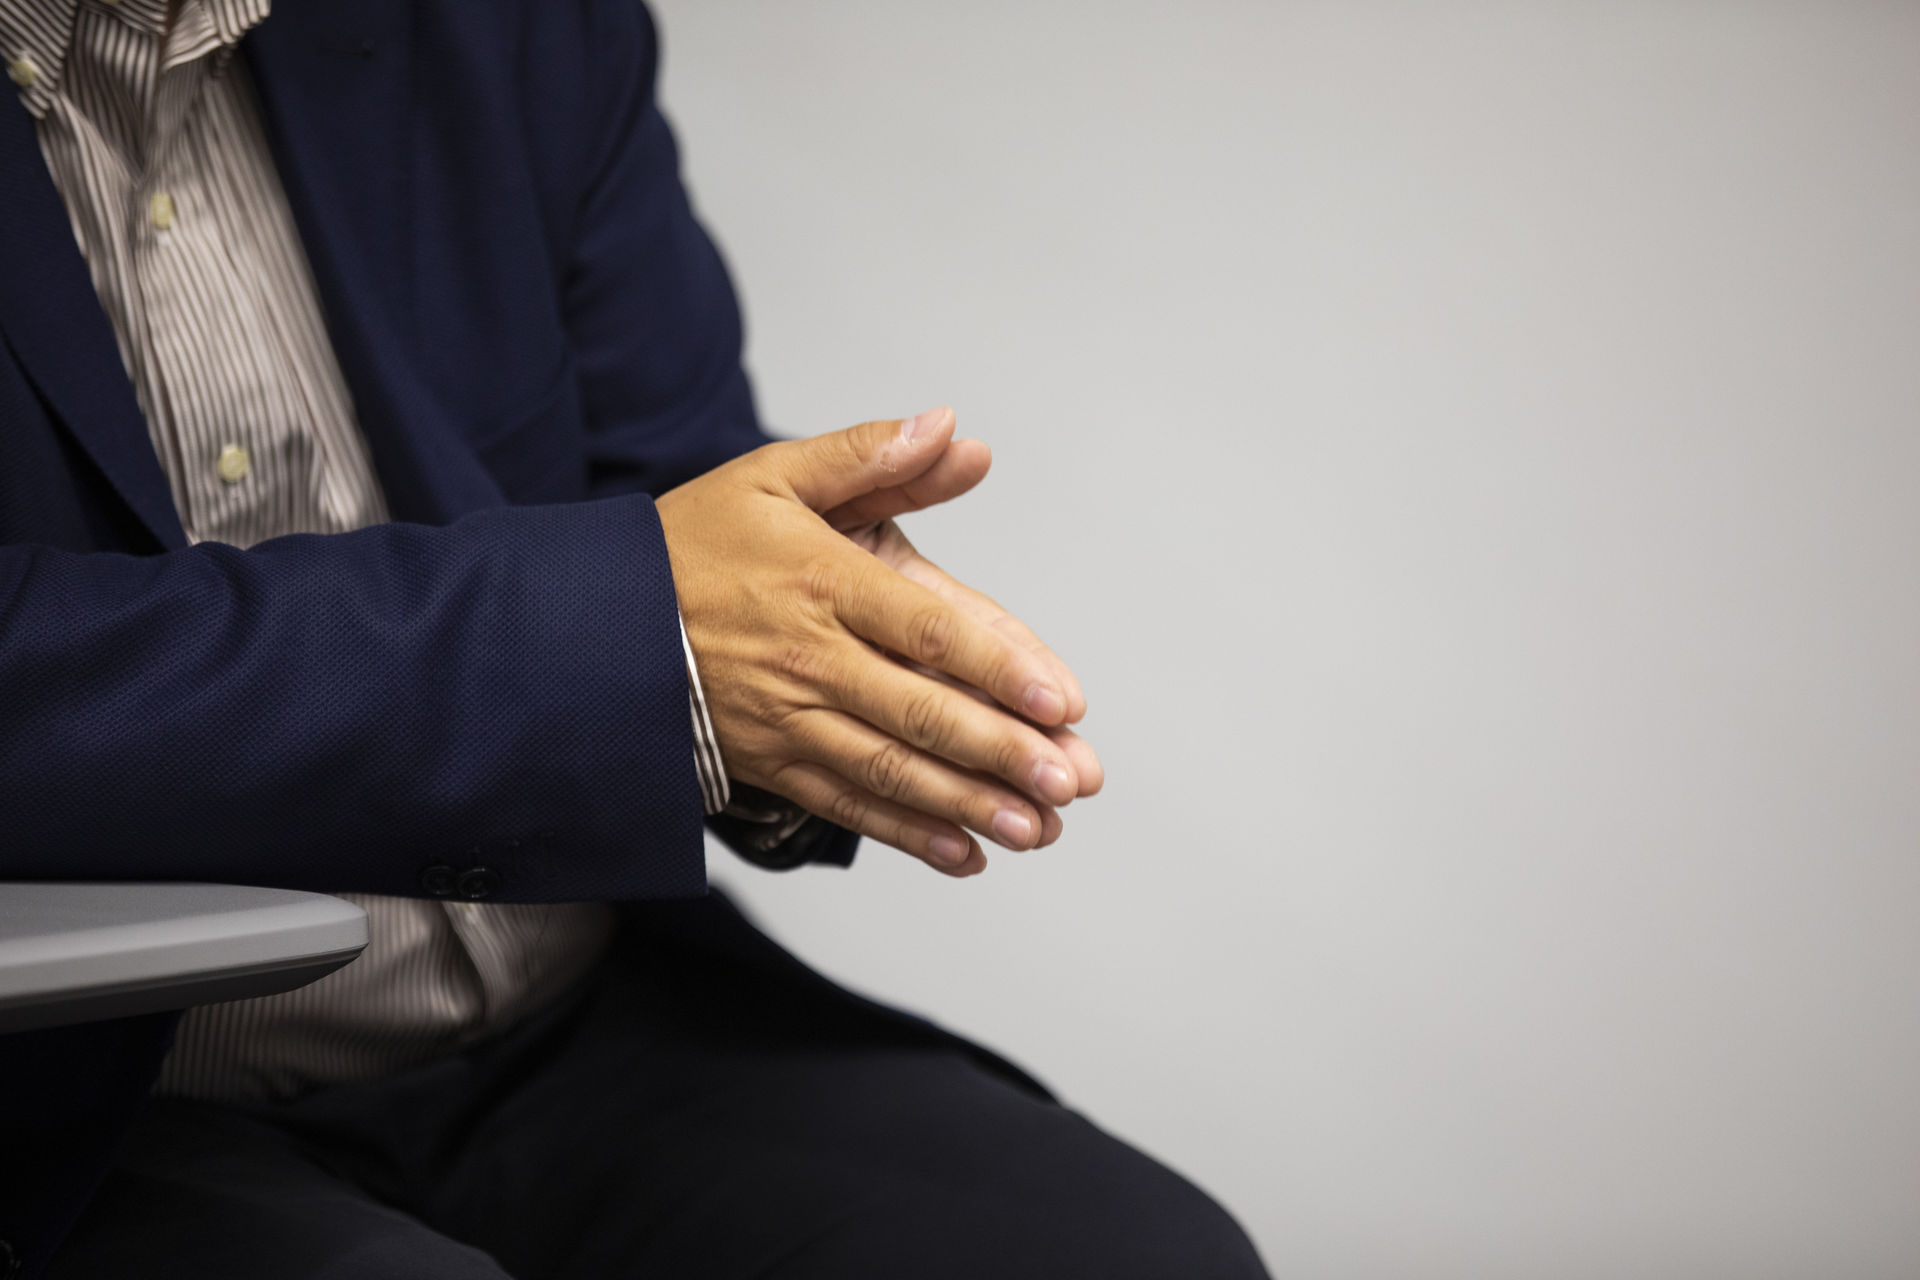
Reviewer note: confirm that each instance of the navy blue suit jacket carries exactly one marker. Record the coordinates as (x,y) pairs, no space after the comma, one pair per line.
(539,338)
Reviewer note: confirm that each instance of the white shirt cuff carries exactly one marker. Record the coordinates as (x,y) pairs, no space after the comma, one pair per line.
(714,790)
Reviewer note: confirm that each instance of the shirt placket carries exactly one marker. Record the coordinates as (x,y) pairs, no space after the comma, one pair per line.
(227,463)
(158,199)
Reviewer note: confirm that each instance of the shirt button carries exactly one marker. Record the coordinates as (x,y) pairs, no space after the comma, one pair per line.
(234,463)
(160,209)
(22,72)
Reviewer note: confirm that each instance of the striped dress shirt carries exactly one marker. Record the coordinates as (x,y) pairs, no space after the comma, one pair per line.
(149,127)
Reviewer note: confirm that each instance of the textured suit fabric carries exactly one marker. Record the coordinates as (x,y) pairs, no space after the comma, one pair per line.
(336,712)
(538,337)
(364,666)
(151,133)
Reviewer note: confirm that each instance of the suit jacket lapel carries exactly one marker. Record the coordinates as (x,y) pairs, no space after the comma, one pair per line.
(334,78)
(51,318)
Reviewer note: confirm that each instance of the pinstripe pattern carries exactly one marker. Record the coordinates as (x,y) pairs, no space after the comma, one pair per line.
(154,141)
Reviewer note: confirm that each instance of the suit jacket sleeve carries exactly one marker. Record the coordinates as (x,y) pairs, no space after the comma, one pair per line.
(650,313)
(341,712)
(656,334)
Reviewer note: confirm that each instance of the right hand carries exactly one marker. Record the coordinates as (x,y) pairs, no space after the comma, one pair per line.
(790,622)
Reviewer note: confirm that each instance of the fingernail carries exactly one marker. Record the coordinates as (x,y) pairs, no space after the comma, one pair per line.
(1044,703)
(1053,782)
(917,426)
(948,850)
(1012,829)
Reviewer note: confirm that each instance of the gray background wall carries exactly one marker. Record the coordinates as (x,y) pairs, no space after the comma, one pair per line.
(1469,452)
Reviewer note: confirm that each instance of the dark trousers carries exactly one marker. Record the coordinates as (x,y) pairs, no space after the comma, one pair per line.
(695,1110)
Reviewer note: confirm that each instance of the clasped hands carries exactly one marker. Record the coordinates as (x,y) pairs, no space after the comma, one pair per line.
(848,673)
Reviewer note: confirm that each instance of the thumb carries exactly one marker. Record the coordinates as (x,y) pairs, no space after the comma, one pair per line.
(958,470)
(838,467)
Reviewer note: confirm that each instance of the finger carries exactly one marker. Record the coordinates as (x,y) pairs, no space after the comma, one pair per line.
(828,470)
(1079,752)
(953,725)
(963,465)
(890,769)
(1087,769)
(1050,826)
(891,546)
(819,790)
(983,608)
(880,606)
(1010,626)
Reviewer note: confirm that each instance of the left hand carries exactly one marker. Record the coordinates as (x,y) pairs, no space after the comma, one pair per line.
(867,521)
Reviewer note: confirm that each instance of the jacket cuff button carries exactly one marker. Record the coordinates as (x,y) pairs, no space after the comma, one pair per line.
(477,883)
(438,880)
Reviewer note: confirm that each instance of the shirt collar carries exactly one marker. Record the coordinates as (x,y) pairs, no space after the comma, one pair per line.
(39,34)
(34,35)
(202,26)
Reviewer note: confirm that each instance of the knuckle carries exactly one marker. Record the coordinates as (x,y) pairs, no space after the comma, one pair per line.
(1003,672)
(786,721)
(982,804)
(800,662)
(856,449)
(1008,756)
(823,580)
(922,719)
(934,635)
(849,809)
(762,704)
(887,770)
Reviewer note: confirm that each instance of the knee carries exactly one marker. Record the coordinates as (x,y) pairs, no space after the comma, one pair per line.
(1183,1238)
(1103,1212)
(1163,1226)
(1131,1217)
